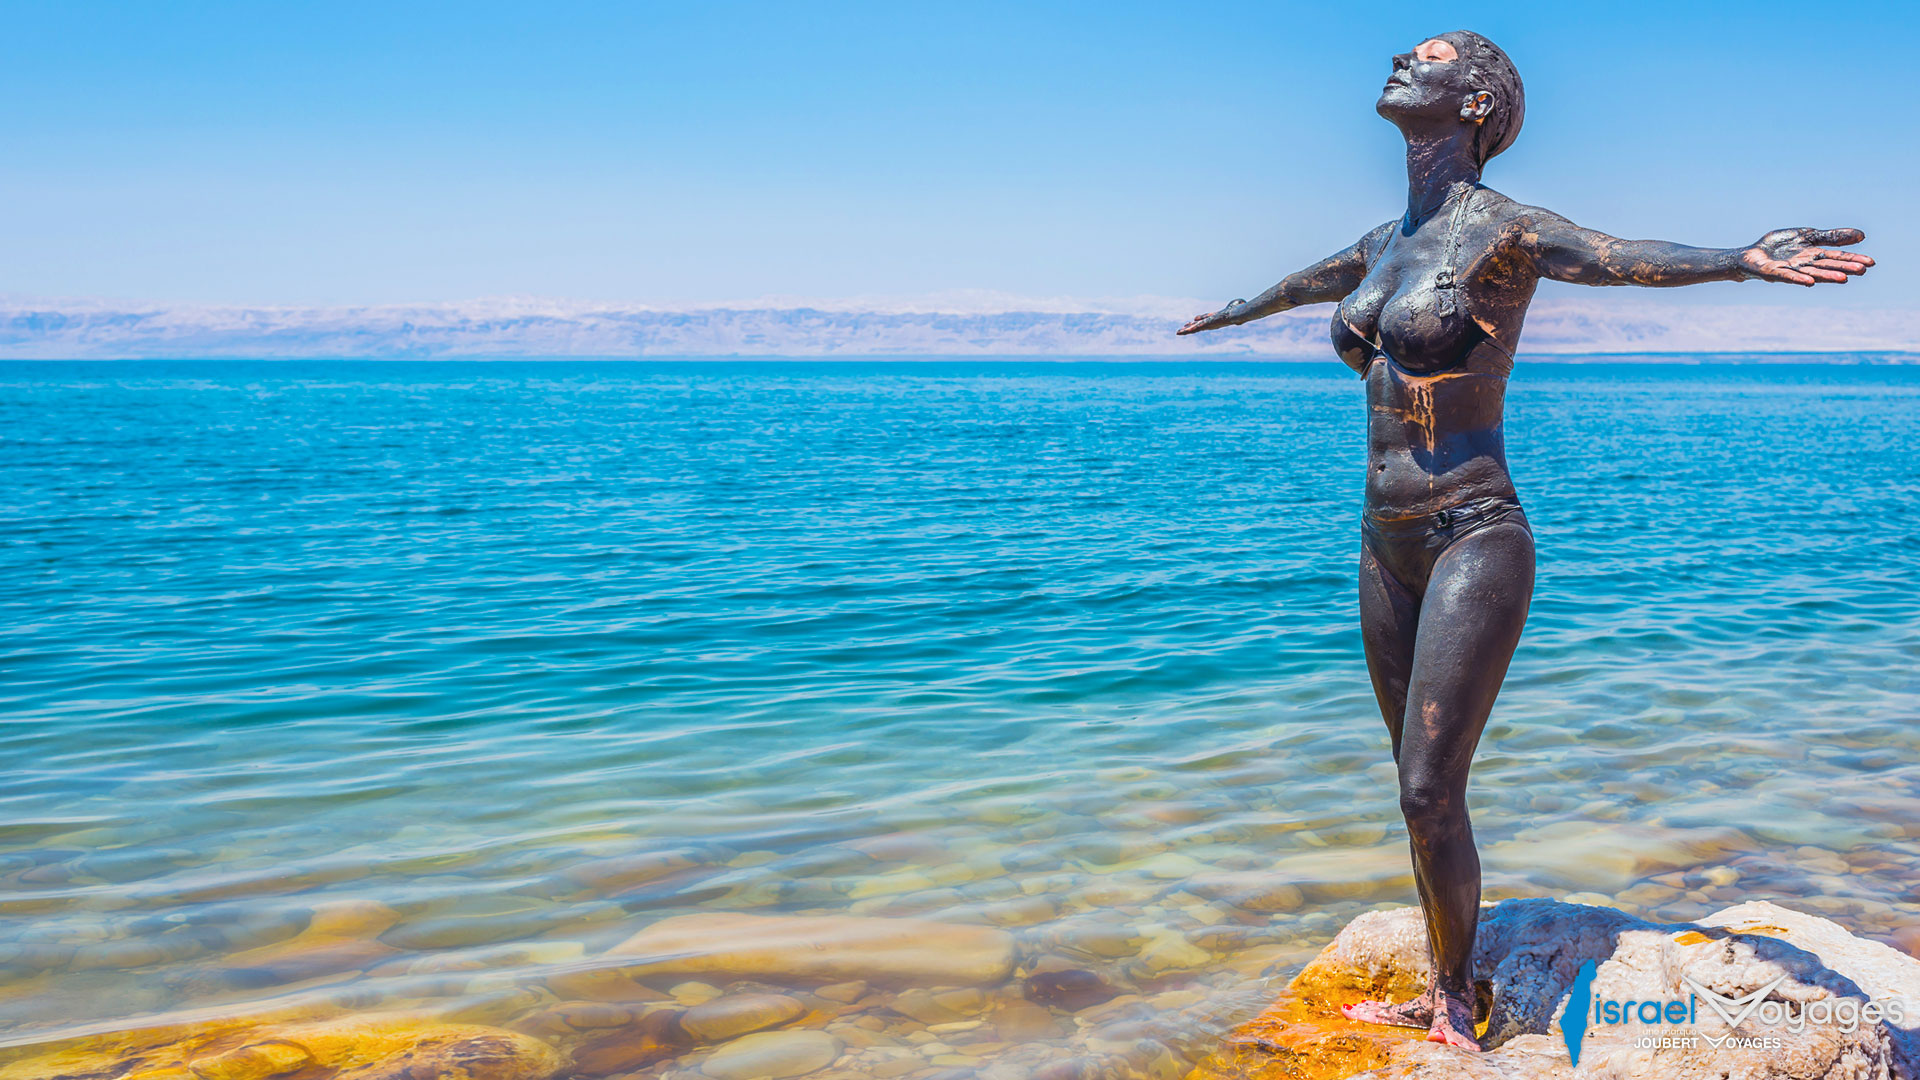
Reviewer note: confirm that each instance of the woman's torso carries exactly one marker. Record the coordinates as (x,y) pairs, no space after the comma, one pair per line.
(1436,376)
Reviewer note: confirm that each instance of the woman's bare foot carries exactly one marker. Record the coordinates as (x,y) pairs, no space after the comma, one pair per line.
(1413,1012)
(1453,1024)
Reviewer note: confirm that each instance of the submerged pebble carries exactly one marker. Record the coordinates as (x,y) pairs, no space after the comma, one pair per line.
(736,1014)
(773,1054)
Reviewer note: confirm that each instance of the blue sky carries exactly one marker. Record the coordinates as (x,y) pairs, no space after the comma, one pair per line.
(343,153)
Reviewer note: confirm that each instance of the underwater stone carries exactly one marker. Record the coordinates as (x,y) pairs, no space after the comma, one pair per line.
(652,1038)
(1071,990)
(775,1054)
(1020,1021)
(307,956)
(825,948)
(846,993)
(1255,892)
(374,1047)
(351,918)
(1172,952)
(627,871)
(693,993)
(738,1014)
(600,985)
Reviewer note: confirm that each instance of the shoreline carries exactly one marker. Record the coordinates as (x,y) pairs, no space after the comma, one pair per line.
(843,997)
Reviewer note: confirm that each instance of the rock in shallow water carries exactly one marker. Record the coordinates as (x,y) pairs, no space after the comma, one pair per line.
(1529,953)
(775,1054)
(737,1014)
(1171,951)
(654,1037)
(338,939)
(1072,989)
(352,1048)
(351,918)
(1256,892)
(824,948)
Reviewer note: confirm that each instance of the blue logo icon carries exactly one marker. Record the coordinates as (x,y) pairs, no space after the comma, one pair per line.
(1573,1021)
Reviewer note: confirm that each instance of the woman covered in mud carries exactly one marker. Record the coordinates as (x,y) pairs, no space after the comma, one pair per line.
(1430,309)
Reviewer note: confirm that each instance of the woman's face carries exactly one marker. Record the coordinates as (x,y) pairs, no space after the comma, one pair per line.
(1429,82)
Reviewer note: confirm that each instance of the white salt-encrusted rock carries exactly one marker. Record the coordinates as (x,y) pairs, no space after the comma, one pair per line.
(1531,951)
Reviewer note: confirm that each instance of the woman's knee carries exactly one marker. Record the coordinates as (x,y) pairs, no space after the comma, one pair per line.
(1432,805)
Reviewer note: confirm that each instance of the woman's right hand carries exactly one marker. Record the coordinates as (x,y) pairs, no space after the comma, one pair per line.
(1214,320)
(1805,256)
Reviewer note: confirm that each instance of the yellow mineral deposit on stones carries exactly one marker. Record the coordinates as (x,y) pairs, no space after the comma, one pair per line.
(349,1048)
(1302,1035)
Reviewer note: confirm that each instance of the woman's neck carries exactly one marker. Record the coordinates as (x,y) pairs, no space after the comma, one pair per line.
(1435,168)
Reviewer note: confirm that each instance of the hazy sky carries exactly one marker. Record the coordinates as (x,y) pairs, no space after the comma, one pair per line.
(338,153)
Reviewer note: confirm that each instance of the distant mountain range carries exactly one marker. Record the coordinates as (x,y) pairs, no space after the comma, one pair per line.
(958,325)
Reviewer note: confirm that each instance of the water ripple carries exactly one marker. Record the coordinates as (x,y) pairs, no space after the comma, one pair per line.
(490,643)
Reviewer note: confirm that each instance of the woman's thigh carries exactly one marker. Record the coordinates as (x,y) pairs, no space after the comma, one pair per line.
(1389,619)
(1470,622)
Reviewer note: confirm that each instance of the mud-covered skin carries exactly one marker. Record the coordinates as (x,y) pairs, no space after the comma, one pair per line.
(1446,1019)
(1430,312)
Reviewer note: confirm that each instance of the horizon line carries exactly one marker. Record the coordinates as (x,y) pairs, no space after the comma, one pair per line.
(943,302)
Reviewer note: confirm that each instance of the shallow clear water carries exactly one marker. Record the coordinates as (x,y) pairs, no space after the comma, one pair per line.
(1065,648)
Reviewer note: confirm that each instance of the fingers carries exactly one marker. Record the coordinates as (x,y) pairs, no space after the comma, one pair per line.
(1859,259)
(1824,265)
(1825,261)
(1825,237)
(1208,321)
(1780,271)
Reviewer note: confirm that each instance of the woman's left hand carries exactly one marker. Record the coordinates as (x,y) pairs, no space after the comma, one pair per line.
(1213,320)
(1805,256)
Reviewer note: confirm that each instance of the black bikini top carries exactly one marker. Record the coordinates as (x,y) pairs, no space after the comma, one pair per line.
(1359,352)
(1354,351)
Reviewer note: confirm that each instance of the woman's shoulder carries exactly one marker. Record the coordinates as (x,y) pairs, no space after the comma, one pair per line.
(1497,208)
(1375,241)
(1513,228)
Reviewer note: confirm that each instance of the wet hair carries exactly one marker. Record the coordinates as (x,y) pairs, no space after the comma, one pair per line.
(1490,69)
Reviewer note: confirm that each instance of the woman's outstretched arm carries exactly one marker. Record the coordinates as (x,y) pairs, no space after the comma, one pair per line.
(1332,278)
(1563,251)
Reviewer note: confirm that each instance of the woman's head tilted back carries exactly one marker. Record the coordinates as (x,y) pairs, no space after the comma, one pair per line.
(1457,77)
(1490,69)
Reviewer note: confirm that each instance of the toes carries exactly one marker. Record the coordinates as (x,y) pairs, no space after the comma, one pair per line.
(1445,1033)
(1411,1014)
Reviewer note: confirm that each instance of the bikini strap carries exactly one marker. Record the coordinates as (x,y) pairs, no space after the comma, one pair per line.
(1445,284)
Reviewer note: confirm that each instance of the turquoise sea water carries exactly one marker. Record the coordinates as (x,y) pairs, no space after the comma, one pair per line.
(1067,648)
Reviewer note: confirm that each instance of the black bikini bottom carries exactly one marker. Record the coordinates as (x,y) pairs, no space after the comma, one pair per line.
(1407,547)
